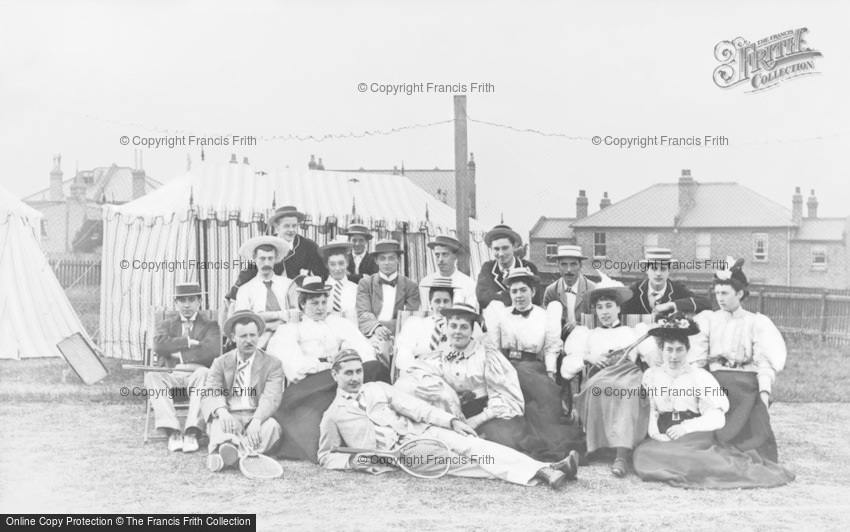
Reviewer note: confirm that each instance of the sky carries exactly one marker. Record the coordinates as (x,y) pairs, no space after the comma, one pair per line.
(76,76)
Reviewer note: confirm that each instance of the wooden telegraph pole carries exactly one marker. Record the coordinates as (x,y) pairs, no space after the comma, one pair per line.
(462,188)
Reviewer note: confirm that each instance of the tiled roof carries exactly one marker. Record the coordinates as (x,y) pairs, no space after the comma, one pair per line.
(821,229)
(552,228)
(116,182)
(715,205)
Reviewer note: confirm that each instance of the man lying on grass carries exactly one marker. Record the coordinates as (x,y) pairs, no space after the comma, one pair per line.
(375,416)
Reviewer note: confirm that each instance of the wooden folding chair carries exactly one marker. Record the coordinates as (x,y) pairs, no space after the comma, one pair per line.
(402,317)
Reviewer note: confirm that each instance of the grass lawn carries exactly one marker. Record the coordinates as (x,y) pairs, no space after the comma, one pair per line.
(71,448)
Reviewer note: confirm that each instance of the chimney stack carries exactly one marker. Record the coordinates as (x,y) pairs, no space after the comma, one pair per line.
(244,160)
(138,176)
(320,166)
(797,207)
(605,201)
(233,158)
(56,192)
(312,164)
(687,192)
(812,204)
(78,189)
(581,205)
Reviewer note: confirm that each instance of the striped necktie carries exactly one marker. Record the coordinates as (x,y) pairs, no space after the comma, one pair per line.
(385,437)
(187,328)
(272,304)
(239,382)
(437,334)
(337,297)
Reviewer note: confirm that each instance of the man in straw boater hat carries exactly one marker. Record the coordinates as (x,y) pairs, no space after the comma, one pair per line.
(377,416)
(504,243)
(342,299)
(381,296)
(267,293)
(307,349)
(188,343)
(302,256)
(744,352)
(360,261)
(242,392)
(657,294)
(568,290)
(446,250)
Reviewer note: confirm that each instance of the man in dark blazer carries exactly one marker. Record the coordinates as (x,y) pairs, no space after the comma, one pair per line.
(375,316)
(568,290)
(243,390)
(188,343)
(504,243)
(303,256)
(360,261)
(659,295)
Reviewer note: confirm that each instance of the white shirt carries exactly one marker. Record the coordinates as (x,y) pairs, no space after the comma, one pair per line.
(241,398)
(357,260)
(585,345)
(301,346)
(252,295)
(348,301)
(539,333)
(570,292)
(388,303)
(464,291)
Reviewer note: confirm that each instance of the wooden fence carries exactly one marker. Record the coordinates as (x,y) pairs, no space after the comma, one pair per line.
(76,271)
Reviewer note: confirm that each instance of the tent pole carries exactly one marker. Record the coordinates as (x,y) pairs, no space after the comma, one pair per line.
(462,189)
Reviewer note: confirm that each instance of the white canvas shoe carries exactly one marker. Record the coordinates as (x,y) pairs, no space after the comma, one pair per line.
(175,442)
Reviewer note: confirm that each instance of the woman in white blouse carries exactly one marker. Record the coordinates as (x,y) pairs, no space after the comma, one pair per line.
(687,406)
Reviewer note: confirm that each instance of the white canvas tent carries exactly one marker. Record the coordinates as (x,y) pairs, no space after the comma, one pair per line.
(205,214)
(35,314)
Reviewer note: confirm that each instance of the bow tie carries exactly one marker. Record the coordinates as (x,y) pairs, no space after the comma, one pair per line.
(523,313)
(391,283)
(454,355)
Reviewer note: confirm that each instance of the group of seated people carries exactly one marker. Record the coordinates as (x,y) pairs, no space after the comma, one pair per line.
(539,380)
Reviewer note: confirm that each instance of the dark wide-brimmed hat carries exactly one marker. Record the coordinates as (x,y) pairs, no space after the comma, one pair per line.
(608,288)
(187,289)
(522,274)
(463,310)
(388,246)
(231,321)
(337,245)
(569,252)
(502,231)
(311,284)
(246,251)
(445,241)
(674,327)
(286,210)
(359,229)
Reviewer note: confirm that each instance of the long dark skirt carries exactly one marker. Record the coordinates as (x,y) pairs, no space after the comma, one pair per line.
(747,421)
(302,406)
(698,460)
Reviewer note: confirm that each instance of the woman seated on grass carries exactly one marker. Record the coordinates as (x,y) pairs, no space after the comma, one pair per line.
(686,406)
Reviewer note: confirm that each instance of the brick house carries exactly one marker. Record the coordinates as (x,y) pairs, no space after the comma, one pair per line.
(703,221)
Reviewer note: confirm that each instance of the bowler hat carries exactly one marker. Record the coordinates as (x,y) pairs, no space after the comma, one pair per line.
(502,231)
(387,246)
(446,241)
(187,289)
(286,210)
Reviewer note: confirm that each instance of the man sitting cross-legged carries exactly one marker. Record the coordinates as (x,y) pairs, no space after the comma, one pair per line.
(376,416)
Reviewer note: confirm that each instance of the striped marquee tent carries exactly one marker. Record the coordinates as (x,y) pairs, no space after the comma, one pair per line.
(207,213)
(35,314)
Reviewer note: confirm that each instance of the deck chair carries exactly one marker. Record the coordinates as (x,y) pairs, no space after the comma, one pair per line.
(402,317)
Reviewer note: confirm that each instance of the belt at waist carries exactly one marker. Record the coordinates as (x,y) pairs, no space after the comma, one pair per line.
(469,395)
(670,419)
(525,356)
(732,364)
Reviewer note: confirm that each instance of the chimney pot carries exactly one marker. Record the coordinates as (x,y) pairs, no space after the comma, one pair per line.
(244,160)
(320,166)
(312,164)
(232,158)
(605,201)
(797,207)
(812,205)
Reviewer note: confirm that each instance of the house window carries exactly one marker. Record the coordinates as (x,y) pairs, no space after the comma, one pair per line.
(818,257)
(703,251)
(599,247)
(760,246)
(650,240)
(551,251)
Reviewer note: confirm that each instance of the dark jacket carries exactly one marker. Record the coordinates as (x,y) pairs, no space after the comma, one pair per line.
(677,292)
(368,266)
(304,255)
(168,339)
(489,288)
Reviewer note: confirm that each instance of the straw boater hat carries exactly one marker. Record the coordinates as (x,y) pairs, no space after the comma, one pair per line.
(187,289)
(287,210)
(229,323)
(439,282)
(280,246)
(387,246)
(338,243)
(461,309)
(502,231)
(569,252)
(445,241)
(659,256)
(674,327)
(311,284)
(358,229)
(607,287)
(521,274)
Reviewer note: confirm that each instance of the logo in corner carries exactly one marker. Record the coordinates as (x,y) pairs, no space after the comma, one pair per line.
(766,63)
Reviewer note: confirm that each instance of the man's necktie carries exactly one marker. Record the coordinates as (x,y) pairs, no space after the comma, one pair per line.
(187,328)
(654,297)
(385,437)
(437,336)
(523,313)
(272,303)
(241,376)
(337,297)
(391,283)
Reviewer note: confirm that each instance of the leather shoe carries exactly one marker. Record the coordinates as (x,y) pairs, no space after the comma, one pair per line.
(190,443)
(215,463)
(568,466)
(554,478)
(175,441)
(229,454)
(619,468)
